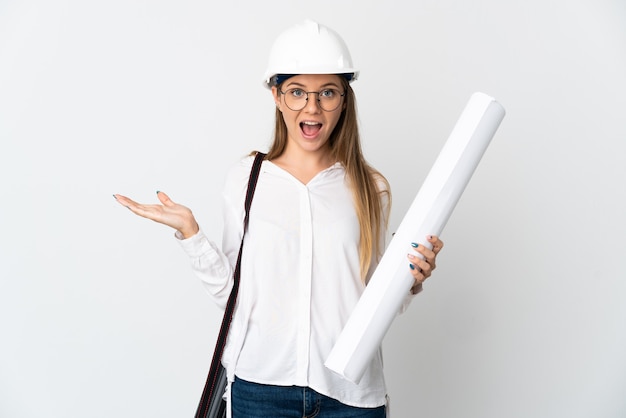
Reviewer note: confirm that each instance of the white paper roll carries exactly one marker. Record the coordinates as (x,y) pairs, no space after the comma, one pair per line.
(384,295)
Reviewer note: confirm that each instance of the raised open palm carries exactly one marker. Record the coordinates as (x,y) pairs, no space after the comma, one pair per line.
(167,213)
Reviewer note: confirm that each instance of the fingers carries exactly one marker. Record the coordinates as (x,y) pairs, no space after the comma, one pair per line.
(124,201)
(167,212)
(436,242)
(147,211)
(157,212)
(420,268)
(142,209)
(422,260)
(165,199)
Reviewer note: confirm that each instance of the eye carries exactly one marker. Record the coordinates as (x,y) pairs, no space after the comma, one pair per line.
(328,93)
(297,93)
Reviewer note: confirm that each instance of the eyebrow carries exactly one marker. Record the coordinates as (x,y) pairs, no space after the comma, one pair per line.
(323,86)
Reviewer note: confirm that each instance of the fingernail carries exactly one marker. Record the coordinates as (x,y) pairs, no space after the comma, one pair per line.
(414,244)
(114,197)
(158,191)
(430,237)
(412,266)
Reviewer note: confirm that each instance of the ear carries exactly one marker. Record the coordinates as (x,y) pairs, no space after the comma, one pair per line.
(276,96)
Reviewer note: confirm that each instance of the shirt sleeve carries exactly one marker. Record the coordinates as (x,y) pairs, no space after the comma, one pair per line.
(212,265)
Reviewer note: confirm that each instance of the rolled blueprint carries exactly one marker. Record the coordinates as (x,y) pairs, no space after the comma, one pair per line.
(428,214)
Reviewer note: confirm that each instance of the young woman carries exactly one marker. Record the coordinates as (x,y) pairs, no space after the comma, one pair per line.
(316,231)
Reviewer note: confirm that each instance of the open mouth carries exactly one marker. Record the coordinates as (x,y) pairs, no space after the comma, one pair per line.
(310,128)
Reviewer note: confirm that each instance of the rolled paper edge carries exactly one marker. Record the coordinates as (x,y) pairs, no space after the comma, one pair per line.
(384,295)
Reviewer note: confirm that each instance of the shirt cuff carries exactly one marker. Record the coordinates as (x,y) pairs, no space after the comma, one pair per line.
(194,245)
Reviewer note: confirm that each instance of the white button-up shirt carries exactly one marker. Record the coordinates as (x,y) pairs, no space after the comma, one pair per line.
(300,280)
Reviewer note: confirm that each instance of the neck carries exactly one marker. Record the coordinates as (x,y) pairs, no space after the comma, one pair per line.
(304,165)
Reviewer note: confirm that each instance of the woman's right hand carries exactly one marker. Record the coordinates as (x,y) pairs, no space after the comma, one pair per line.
(167,213)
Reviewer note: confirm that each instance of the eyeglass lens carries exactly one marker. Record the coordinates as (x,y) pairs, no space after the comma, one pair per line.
(328,99)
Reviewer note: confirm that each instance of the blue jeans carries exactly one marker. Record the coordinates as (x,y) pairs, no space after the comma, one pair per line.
(254,400)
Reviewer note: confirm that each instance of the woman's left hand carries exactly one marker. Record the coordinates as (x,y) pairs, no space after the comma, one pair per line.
(421,269)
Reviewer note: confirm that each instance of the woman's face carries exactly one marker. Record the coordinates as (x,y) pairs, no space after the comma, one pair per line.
(310,127)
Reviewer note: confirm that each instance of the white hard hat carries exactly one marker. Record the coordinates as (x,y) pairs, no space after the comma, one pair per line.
(309,48)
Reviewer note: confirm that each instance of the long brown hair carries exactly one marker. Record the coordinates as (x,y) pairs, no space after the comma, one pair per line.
(367,184)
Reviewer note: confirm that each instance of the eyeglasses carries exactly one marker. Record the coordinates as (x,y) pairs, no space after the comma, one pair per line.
(328,99)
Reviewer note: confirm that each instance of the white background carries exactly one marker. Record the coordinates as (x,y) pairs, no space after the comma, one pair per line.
(100,315)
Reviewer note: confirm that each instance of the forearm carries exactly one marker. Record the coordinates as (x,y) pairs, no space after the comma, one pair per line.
(209,264)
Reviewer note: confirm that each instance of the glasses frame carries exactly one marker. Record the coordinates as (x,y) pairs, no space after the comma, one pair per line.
(306,99)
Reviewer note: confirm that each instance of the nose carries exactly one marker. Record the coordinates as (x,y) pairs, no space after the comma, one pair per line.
(312,103)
